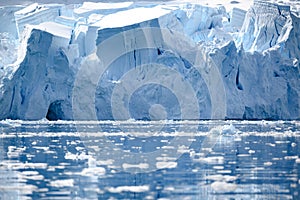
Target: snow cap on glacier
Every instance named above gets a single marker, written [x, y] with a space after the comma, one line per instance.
[92, 6]
[88, 8]
[35, 14]
[55, 29]
[132, 16]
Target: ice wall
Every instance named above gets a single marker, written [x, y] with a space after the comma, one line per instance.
[267, 62]
[237, 17]
[266, 25]
[7, 22]
[259, 66]
[35, 14]
[43, 79]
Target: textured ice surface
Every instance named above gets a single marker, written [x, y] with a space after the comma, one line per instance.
[256, 53]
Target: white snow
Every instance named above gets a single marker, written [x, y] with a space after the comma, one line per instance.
[132, 16]
[35, 14]
[55, 29]
[92, 6]
[228, 4]
[29, 9]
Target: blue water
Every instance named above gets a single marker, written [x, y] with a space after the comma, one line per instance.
[150, 160]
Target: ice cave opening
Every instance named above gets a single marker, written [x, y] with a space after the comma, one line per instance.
[55, 111]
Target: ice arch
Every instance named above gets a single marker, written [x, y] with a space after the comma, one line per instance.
[58, 110]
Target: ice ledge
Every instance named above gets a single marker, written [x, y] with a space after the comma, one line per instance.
[55, 29]
[265, 6]
[132, 16]
[92, 7]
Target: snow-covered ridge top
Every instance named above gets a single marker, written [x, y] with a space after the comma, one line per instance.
[228, 4]
[292, 5]
[55, 29]
[90, 6]
[265, 6]
[132, 16]
[29, 9]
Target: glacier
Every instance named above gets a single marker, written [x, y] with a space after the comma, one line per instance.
[150, 61]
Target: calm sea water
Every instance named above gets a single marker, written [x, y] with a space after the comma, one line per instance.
[150, 160]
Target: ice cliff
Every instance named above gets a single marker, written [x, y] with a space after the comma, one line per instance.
[249, 62]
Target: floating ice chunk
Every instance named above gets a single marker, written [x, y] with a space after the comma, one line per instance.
[30, 173]
[212, 160]
[229, 129]
[167, 164]
[17, 166]
[222, 178]
[120, 189]
[81, 156]
[93, 171]
[137, 166]
[92, 162]
[105, 162]
[62, 183]
[251, 151]
[221, 186]
[268, 163]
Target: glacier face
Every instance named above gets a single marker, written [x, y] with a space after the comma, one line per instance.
[152, 61]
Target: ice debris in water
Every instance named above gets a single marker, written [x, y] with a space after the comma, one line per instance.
[229, 129]
[62, 183]
[255, 53]
[221, 186]
[137, 189]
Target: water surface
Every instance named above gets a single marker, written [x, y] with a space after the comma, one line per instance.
[150, 160]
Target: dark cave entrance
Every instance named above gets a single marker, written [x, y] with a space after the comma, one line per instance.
[55, 111]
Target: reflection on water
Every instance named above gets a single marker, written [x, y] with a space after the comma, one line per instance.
[220, 160]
